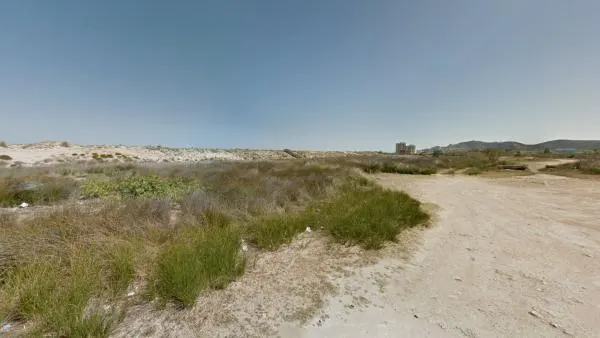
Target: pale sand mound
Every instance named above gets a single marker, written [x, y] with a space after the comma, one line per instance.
[50, 153]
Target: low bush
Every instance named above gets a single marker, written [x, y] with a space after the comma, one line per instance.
[473, 171]
[137, 187]
[5, 157]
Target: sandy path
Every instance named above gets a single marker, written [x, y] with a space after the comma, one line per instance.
[514, 257]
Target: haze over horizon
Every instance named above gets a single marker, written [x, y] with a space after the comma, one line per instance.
[343, 75]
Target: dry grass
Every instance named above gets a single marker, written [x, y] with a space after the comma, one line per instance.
[471, 162]
[172, 230]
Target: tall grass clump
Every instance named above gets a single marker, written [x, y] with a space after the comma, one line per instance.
[3, 144]
[199, 258]
[369, 217]
[55, 270]
[54, 293]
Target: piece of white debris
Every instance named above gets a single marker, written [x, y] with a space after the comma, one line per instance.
[6, 328]
[23, 205]
[458, 279]
[535, 314]
[131, 294]
[308, 229]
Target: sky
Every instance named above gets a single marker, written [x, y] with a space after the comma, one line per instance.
[310, 74]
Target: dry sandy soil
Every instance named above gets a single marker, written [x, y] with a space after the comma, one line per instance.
[52, 153]
[510, 257]
[507, 258]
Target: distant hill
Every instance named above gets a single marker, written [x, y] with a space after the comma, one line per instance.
[511, 145]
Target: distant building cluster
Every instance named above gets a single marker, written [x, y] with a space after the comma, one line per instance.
[403, 149]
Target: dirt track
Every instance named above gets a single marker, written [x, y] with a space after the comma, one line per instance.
[513, 257]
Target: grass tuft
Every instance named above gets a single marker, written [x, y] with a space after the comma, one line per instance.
[273, 232]
[365, 216]
[369, 217]
[5, 157]
[200, 258]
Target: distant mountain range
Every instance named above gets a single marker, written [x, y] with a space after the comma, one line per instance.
[512, 145]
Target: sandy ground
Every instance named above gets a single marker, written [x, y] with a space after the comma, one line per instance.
[51, 153]
[507, 258]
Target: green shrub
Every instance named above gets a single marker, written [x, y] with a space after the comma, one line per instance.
[369, 217]
[3, 144]
[140, 186]
[473, 171]
[200, 258]
[5, 157]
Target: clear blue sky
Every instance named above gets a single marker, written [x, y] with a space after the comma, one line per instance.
[311, 74]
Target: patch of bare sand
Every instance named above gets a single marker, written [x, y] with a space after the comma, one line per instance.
[505, 259]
